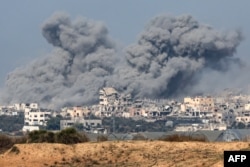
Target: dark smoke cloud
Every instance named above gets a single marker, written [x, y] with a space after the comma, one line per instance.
[171, 53]
[81, 62]
[168, 59]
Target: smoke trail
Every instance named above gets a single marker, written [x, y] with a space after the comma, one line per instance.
[81, 62]
[171, 52]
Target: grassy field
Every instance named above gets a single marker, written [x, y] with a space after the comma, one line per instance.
[120, 154]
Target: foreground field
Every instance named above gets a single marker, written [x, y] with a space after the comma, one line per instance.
[119, 153]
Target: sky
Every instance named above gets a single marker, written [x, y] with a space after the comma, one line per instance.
[21, 40]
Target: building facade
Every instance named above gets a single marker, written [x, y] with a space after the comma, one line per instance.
[36, 117]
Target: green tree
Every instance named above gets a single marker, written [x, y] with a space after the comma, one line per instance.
[12, 123]
[70, 136]
[54, 123]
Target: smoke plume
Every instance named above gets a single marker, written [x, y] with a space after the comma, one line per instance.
[167, 61]
[172, 52]
[81, 62]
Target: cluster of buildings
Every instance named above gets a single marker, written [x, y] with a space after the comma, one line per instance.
[211, 113]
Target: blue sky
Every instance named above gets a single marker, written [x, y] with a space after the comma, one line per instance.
[21, 40]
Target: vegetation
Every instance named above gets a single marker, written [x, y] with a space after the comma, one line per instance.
[139, 136]
[41, 136]
[102, 138]
[239, 125]
[66, 136]
[6, 142]
[54, 123]
[11, 123]
[182, 138]
[70, 136]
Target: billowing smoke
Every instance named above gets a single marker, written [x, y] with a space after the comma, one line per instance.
[168, 59]
[172, 52]
[81, 62]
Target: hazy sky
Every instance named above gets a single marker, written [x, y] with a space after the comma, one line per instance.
[21, 40]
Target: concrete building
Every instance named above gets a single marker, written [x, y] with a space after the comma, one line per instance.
[76, 112]
[247, 107]
[90, 123]
[29, 128]
[36, 116]
[108, 96]
[23, 106]
[198, 103]
[243, 119]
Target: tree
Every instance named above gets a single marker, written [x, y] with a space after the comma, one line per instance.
[54, 123]
[12, 123]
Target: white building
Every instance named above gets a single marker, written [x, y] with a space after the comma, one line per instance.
[243, 119]
[23, 106]
[247, 107]
[28, 128]
[36, 116]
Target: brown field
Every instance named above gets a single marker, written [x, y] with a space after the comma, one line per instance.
[119, 153]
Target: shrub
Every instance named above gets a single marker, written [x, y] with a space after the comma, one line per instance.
[41, 136]
[6, 143]
[20, 140]
[70, 136]
[15, 149]
[66, 136]
[182, 138]
[102, 138]
[139, 136]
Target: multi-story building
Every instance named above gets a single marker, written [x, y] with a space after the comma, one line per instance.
[36, 116]
[108, 96]
[198, 103]
[111, 101]
[77, 112]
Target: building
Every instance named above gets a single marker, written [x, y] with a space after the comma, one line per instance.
[198, 103]
[247, 107]
[76, 112]
[88, 124]
[28, 128]
[36, 117]
[23, 106]
[110, 102]
[108, 96]
[243, 119]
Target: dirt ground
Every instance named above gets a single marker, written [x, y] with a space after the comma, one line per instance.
[120, 154]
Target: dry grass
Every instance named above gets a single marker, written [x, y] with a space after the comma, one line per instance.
[122, 154]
